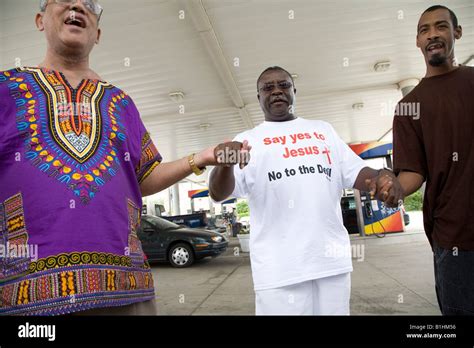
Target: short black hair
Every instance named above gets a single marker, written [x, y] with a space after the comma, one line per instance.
[273, 68]
[454, 19]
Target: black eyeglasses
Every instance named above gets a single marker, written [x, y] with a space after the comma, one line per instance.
[269, 87]
[91, 5]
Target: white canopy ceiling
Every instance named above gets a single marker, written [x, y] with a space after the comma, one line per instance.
[331, 45]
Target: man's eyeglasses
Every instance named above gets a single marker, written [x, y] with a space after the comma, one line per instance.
[91, 5]
[269, 87]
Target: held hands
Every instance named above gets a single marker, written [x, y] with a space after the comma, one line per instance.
[231, 153]
[226, 154]
[386, 188]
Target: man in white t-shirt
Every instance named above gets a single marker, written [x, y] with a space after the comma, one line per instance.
[299, 247]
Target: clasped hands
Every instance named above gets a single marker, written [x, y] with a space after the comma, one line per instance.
[384, 187]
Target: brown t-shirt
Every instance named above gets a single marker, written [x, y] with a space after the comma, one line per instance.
[438, 143]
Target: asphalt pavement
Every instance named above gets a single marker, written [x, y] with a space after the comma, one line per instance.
[392, 276]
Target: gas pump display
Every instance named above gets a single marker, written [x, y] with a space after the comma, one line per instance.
[373, 216]
[377, 218]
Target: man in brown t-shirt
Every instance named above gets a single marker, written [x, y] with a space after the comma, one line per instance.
[435, 145]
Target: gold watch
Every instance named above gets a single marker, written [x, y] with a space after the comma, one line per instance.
[196, 170]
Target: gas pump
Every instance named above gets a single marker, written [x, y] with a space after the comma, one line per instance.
[373, 217]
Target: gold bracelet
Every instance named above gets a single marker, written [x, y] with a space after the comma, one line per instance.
[196, 170]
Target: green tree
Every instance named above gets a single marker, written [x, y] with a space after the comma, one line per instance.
[243, 209]
[414, 202]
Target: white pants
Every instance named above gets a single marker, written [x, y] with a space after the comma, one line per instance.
[324, 296]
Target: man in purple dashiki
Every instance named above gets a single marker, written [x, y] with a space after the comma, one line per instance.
[75, 160]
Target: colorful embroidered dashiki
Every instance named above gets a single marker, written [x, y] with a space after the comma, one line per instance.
[71, 161]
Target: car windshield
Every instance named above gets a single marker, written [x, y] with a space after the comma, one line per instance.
[162, 224]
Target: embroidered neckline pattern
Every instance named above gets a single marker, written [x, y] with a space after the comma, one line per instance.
[77, 145]
[74, 115]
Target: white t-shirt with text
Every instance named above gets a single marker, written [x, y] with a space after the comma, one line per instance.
[294, 184]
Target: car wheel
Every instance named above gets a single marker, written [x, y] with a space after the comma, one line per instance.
[181, 255]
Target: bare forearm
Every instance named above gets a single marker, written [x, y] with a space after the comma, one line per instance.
[165, 175]
[168, 174]
[221, 183]
[410, 182]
